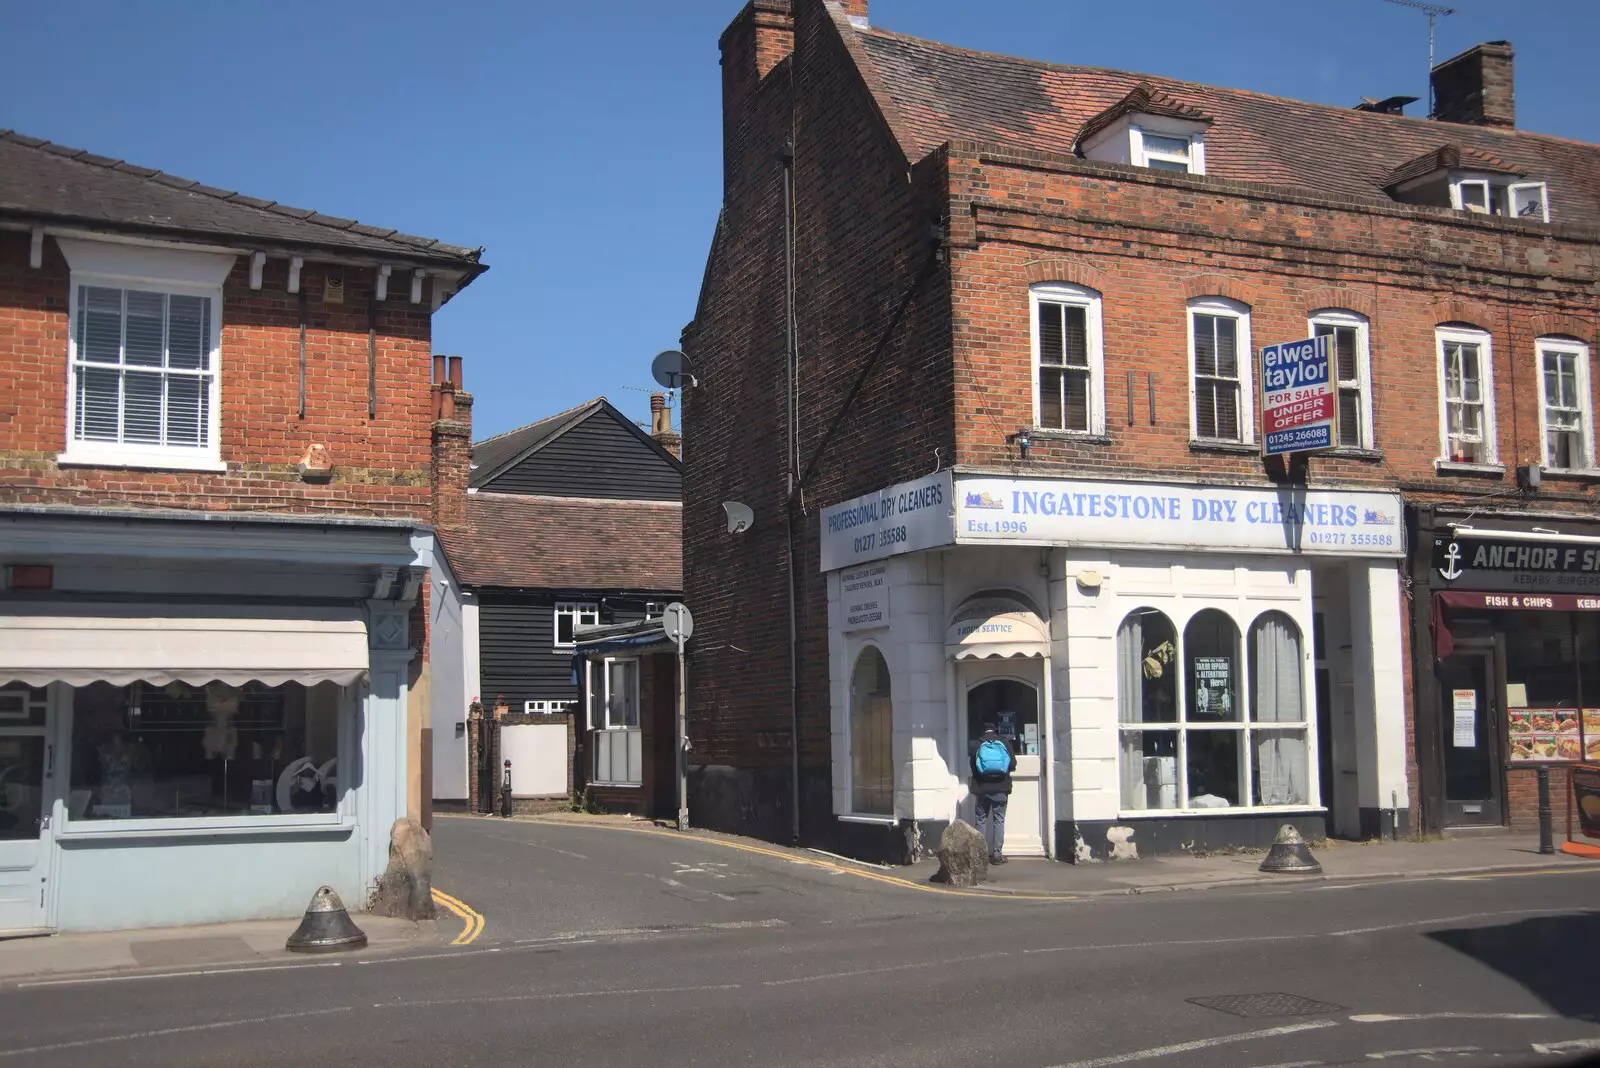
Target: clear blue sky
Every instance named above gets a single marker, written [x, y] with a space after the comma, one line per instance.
[580, 140]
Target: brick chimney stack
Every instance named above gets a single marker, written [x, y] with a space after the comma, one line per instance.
[1476, 87]
[452, 444]
[854, 10]
[661, 425]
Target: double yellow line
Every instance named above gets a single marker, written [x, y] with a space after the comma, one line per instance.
[469, 916]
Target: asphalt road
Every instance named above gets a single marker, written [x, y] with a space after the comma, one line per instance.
[622, 948]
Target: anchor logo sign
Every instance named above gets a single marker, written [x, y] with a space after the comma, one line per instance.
[1452, 557]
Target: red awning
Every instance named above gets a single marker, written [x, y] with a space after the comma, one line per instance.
[1444, 642]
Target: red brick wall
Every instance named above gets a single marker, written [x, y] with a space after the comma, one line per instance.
[1522, 800]
[863, 244]
[1038, 218]
[381, 463]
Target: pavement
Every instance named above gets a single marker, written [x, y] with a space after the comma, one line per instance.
[631, 945]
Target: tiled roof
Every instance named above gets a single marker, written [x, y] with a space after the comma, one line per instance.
[1448, 157]
[939, 94]
[568, 543]
[1145, 99]
[491, 455]
[50, 181]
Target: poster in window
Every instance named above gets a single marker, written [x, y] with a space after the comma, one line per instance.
[1586, 799]
[1537, 734]
[1213, 686]
[1464, 703]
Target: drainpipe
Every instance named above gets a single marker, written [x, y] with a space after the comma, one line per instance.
[786, 158]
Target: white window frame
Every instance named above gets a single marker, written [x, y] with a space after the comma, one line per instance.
[1194, 160]
[1469, 335]
[1089, 300]
[1544, 200]
[1363, 381]
[1226, 308]
[1245, 727]
[1580, 352]
[577, 610]
[602, 689]
[1458, 195]
[144, 455]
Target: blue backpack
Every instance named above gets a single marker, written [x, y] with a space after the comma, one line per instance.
[993, 758]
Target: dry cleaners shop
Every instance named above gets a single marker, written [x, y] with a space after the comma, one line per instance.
[1175, 665]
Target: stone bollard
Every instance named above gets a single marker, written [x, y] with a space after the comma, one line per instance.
[963, 856]
[406, 889]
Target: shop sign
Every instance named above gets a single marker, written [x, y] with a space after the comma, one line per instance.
[1507, 564]
[1299, 409]
[865, 594]
[905, 518]
[1586, 798]
[1146, 515]
[1522, 602]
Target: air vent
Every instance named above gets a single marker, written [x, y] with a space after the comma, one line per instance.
[333, 288]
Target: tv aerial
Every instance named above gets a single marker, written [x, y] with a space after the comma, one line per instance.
[673, 370]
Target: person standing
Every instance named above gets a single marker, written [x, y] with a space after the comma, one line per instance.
[992, 765]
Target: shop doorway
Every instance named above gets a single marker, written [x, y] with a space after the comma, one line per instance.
[1470, 741]
[27, 776]
[1013, 704]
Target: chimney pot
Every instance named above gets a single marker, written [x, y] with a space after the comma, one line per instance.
[438, 369]
[1476, 87]
[455, 371]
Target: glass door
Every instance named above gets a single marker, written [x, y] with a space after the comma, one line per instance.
[1470, 724]
[27, 757]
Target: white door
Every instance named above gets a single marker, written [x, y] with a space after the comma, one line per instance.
[27, 788]
[1013, 704]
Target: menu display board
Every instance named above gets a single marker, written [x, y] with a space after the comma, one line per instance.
[1544, 734]
[1586, 795]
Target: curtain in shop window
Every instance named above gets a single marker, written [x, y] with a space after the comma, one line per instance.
[1277, 697]
[1130, 708]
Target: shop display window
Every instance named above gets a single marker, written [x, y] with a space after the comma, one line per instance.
[182, 751]
[1229, 744]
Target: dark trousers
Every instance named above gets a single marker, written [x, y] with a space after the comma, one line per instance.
[990, 811]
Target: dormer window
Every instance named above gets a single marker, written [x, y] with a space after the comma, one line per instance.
[1147, 128]
[1468, 180]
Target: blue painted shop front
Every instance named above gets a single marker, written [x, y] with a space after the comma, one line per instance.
[202, 719]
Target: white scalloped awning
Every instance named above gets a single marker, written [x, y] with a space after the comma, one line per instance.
[79, 650]
[997, 630]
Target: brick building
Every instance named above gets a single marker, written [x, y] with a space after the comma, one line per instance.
[217, 424]
[1001, 442]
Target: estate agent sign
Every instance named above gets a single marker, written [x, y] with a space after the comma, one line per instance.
[1299, 402]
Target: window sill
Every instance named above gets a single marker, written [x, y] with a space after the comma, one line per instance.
[616, 785]
[1082, 437]
[1572, 474]
[148, 460]
[241, 826]
[877, 821]
[1459, 467]
[1231, 448]
[1352, 452]
[1201, 813]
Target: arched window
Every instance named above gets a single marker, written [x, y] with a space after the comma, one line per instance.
[1147, 693]
[1213, 712]
[871, 736]
[1278, 759]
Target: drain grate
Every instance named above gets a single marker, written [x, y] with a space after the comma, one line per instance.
[1256, 1005]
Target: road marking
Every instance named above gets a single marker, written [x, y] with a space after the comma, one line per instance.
[886, 968]
[178, 975]
[55, 1047]
[1384, 1017]
[1451, 919]
[1175, 942]
[1199, 1043]
[538, 845]
[472, 919]
[558, 995]
[1572, 1045]
[839, 869]
[1520, 874]
[1293, 1064]
[1425, 1051]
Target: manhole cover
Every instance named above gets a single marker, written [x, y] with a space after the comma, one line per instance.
[1264, 1005]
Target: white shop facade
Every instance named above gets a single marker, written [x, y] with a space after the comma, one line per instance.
[1177, 666]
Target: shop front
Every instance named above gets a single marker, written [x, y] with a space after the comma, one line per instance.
[1507, 662]
[1177, 666]
[201, 720]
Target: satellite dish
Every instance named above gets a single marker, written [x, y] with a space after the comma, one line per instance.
[676, 622]
[740, 517]
[673, 370]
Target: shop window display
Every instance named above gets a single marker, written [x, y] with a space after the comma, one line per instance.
[1187, 739]
[185, 751]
